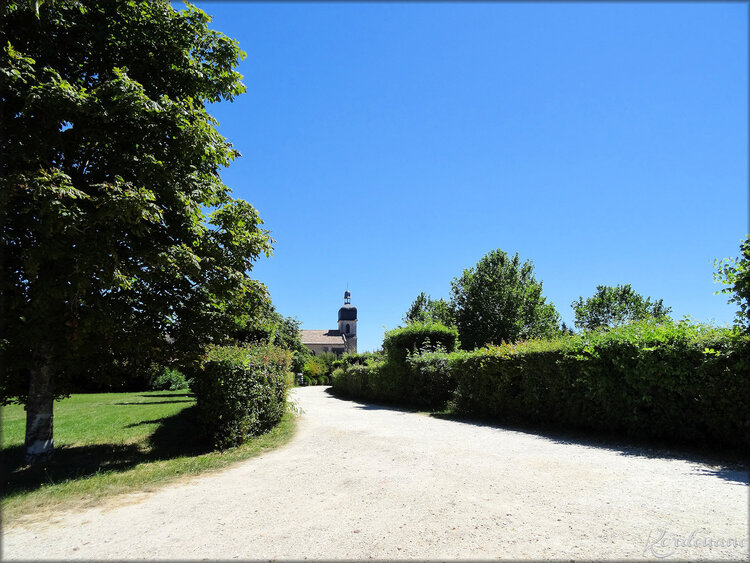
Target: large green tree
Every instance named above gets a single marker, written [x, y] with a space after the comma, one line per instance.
[110, 162]
[500, 300]
[614, 306]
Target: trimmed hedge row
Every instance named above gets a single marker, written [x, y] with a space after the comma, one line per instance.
[400, 375]
[357, 381]
[676, 381]
[308, 381]
[241, 392]
[417, 338]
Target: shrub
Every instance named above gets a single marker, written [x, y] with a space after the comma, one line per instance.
[511, 382]
[678, 381]
[403, 376]
[359, 359]
[675, 381]
[338, 377]
[241, 392]
[169, 380]
[418, 337]
[289, 376]
[397, 375]
[430, 381]
[358, 381]
[317, 369]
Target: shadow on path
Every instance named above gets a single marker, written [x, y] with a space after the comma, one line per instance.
[726, 464]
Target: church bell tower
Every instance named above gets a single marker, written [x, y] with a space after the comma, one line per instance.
[348, 322]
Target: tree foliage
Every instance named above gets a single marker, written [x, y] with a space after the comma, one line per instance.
[267, 326]
[424, 309]
[735, 274]
[110, 160]
[500, 300]
[615, 306]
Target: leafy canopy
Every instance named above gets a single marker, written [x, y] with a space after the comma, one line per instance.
[424, 309]
[735, 274]
[110, 164]
[500, 300]
[615, 306]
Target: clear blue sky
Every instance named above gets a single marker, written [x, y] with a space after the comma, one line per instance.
[390, 146]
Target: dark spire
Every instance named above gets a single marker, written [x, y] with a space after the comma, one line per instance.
[348, 312]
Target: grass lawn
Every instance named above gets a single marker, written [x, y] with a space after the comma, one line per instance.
[110, 443]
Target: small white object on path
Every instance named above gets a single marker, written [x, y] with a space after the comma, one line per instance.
[360, 481]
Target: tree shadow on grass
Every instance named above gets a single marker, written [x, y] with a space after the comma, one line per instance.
[157, 402]
[168, 396]
[176, 436]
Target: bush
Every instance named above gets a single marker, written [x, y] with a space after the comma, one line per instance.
[358, 381]
[418, 337]
[358, 359]
[169, 380]
[429, 379]
[241, 392]
[317, 369]
[397, 375]
[677, 381]
[511, 382]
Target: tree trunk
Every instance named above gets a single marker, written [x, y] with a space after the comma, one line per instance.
[39, 443]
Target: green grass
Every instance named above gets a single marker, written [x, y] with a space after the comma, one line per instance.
[112, 443]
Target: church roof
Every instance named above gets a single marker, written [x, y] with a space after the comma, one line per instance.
[329, 337]
[348, 313]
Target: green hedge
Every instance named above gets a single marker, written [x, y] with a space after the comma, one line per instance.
[308, 381]
[679, 381]
[357, 380]
[362, 359]
[429, 379]
[401, 375]
[675, 381]
[418, 337]
[317, 370]
[241, 392]
[514, 383]
[413, 371]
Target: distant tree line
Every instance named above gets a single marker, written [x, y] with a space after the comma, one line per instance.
[500, 300]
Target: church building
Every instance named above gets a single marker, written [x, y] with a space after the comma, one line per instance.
[339, 341]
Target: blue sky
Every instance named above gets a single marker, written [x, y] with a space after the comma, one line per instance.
[389, 146]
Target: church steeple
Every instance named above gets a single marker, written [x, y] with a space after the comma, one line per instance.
[348, 322]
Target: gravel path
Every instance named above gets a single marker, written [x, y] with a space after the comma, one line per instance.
[360, 481]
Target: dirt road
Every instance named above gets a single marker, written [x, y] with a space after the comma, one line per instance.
[360, 481]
